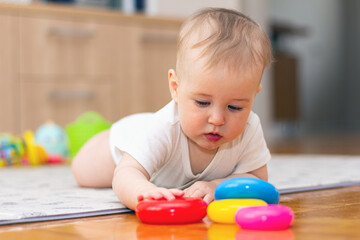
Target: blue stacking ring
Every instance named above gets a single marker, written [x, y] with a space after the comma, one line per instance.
[247, 188]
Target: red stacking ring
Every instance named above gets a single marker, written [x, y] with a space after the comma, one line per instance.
[177, 211]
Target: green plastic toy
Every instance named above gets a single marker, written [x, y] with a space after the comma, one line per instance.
[85, 126]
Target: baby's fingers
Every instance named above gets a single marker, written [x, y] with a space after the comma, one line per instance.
[154, 194]
[208, 198]
[177, 192]
[189, 192]
[168, 194]
[161, 193]
[164, 193]
[140, 198]
[196, 193]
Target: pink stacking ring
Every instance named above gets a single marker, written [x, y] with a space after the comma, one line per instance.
[270, 217]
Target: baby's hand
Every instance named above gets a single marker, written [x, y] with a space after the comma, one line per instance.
[201, 189]
[161, 193]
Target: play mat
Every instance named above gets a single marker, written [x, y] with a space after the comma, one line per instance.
[30, 194]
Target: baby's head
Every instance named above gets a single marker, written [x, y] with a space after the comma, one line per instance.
[220, 62]
[222, 37]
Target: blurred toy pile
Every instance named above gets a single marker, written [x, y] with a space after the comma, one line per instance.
[50, 144]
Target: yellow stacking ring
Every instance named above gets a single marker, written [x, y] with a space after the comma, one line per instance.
[223, 211]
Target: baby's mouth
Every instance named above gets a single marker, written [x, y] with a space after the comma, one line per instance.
[213, 137]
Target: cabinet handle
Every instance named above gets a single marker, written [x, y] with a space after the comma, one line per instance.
[71, 95]
[158, 38]
[71, 32]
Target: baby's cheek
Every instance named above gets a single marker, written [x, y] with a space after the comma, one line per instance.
[188, 126]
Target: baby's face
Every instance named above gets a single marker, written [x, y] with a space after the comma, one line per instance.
[214, 104]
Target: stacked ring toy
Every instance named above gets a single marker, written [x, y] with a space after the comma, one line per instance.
[270, 217]
[249, 202]
[247, 188]
[223, 211]
[177, 211]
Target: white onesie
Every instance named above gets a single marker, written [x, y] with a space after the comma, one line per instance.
[157, 142]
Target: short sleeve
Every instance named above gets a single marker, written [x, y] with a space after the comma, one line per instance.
[147, 137]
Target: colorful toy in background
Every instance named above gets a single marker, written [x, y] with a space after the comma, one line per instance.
[11, 150]
[251, 203]
[50, 144]
[55, 142]
[34, 154]
[85, 126]
[16, 151]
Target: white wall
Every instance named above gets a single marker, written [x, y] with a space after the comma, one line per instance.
[320, 56]
[352, 65]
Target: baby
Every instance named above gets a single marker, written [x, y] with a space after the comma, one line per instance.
[206, 134]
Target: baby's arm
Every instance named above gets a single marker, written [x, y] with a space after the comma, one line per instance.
[131, 184]
[206, 190]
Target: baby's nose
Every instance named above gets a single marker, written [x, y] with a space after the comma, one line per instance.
[217, 118]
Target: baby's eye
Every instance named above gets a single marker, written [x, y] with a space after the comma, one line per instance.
[234, 108]
[202, 103]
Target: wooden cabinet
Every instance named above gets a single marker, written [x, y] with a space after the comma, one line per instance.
[153, 53]
[158, 48]
[68, 67]
[59, 62]
[53, 47]
[62, 102]
[9, 93]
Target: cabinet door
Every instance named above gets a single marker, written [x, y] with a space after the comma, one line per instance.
[61, 47]
[9, 93]
[157, 54]
[69, 67]
[62, 102]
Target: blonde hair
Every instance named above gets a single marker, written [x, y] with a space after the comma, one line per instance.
[224, 37]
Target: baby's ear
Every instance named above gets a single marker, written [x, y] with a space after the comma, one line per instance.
[173, 84]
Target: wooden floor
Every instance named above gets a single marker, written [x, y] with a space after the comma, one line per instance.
[326, 214]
